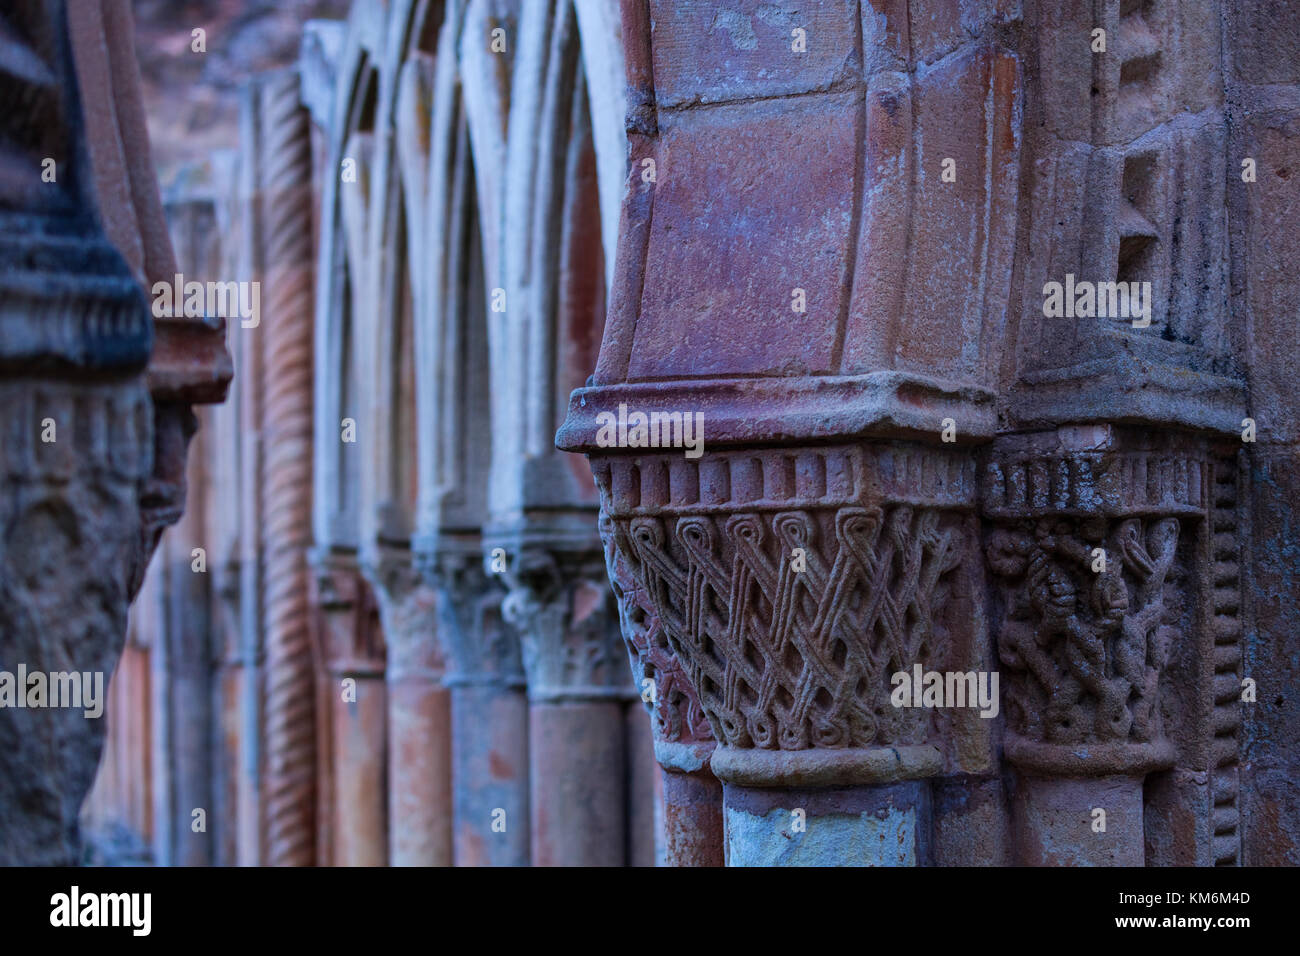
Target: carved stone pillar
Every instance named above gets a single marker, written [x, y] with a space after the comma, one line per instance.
[71, 531]
[1119, 682]
[419, 716]
[1093, 542]
[284, 163]
[691, 796]
[250, 354]
[792, 480]
[791, 585]
[578, 687]
[93, 468]
[353, 715]
[226, 504]
[182, 689]
[186, 646]
[489, 708]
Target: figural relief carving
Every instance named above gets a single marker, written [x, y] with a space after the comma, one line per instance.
[1085, 635]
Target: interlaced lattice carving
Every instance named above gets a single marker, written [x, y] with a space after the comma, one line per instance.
[1085, 648]
[793, 659]
[675, 710]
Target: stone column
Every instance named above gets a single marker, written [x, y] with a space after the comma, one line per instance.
[791, 587]
[690, 825]
[578, 686]
[355, 707]
[286, 206]
[1118, 188]
[249, 703]
[71, 523]
[185, 645]
[226, 504]
[184, 688]
[229, 680]
[1094, 547]
[489, 709]
[249, 348]
[94, 468]
[419, 717]
[812, 532]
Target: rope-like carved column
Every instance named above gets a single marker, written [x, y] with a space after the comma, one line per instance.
[287, 435]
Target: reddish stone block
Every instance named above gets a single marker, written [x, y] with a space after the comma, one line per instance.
[1265, 45]
[1268, 218]
[947, 240]
[711, 53]
[1270, 806]
[752, 202]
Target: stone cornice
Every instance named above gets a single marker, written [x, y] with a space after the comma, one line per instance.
[1126, 389]
[658, 482]
[766, 411]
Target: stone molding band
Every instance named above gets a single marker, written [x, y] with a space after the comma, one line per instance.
[1088, 760]
[825, 767]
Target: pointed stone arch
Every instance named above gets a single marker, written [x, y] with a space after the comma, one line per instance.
[341, 277]
[351, 734]
[452, 259]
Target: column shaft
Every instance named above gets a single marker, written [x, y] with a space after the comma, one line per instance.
[490, 774]
[692, 818]
[419, 772]
[578, 778]
[285, 164]
[419, 716]
[578, 686]
[1055, 821]
[355, 716]
[644, 793]
[360, 811]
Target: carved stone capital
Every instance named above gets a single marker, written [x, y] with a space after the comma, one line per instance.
[478, 646]
[1090, 547]
[1084, 643]
[79, 442]
[351, 642]
[682, 737]
[408, 609]
[790, 585]
[561, 604]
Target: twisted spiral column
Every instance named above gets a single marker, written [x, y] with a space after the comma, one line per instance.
[285, 165]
